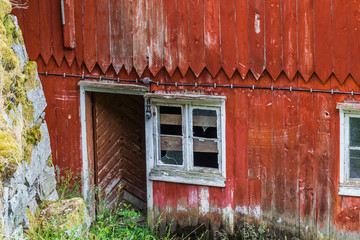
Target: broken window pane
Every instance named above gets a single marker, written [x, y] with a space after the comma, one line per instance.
[172, 157]
[354, 164]
[205, 142]
[171, 150]
[170, 121]
[204, 123]
[171, 141]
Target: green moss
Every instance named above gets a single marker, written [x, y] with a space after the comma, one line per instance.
[15, 96]
[10, 154]
[17, 140]
[12, 34]
[30, 72]
[49, 162]
[9, 60]
[5, 8]
[32, 137]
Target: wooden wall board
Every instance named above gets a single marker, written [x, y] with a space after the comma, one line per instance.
[354, 35]
[90, 43]
[322, 154]
[291, 157]
[228, 37]
[154, 36]
[323, 39]
[32, 30]
[242, 49]
[116, 35]
[273, 28]
[266, 165]
[127, 41]
[340, 19]
[307, 159]
[103, 36]
[139, 36]
[305, 18]
[68, 25]
[289, 38]
[79, 50]
[256, 37]
[212, 36]
[183, 37]
[241, 192]
[56, 33]
[196, 36]
[278, 149]
[170, 36]
[45, 26]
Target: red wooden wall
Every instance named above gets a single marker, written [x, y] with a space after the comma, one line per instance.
[282, 147]
[236, 36]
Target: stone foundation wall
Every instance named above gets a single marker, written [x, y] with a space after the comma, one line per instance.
[26, 171]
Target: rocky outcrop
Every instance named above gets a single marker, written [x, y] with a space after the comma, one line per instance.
[69, 216]
[26, 172]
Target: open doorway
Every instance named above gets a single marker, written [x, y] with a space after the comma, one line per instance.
[115, 139]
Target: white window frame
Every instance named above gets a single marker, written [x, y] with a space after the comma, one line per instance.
[186, 173]
[348, 186]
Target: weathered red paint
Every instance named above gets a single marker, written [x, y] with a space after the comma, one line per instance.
[212, 36]
[103, 34]
[282, 147]
[228, 39]
[273, 37]
[256, 37]
[289, 39]
[305, 25]
[69, 24]
[323, 39]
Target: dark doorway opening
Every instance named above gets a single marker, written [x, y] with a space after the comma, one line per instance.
[118, 143]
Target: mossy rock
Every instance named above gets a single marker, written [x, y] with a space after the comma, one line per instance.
[64, 216]
[20, 133]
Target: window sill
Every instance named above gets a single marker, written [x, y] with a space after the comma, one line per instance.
[352, 190]
[194, 178]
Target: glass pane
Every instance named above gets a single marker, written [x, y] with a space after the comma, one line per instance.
[170, 121]
[354, 132]
[171, 157]
[205, 153]
[204, 123]
[171, 150]
[354, 163]
[204, 159]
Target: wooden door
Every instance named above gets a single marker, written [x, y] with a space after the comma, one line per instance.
[119, 148]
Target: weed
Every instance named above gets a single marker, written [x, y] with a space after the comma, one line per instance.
[118, 222]
[69, 185]
[249, 231]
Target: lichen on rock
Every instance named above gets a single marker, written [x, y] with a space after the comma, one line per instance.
[26, 176]
[17, 138]
[64, 216]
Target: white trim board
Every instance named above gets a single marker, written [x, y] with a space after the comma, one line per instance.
[186, 173]
[130, 89]
[348, 186]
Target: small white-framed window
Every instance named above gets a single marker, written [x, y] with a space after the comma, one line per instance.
[349, 149]
[188, 139]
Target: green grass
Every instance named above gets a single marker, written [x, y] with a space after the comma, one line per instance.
[119, 222]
